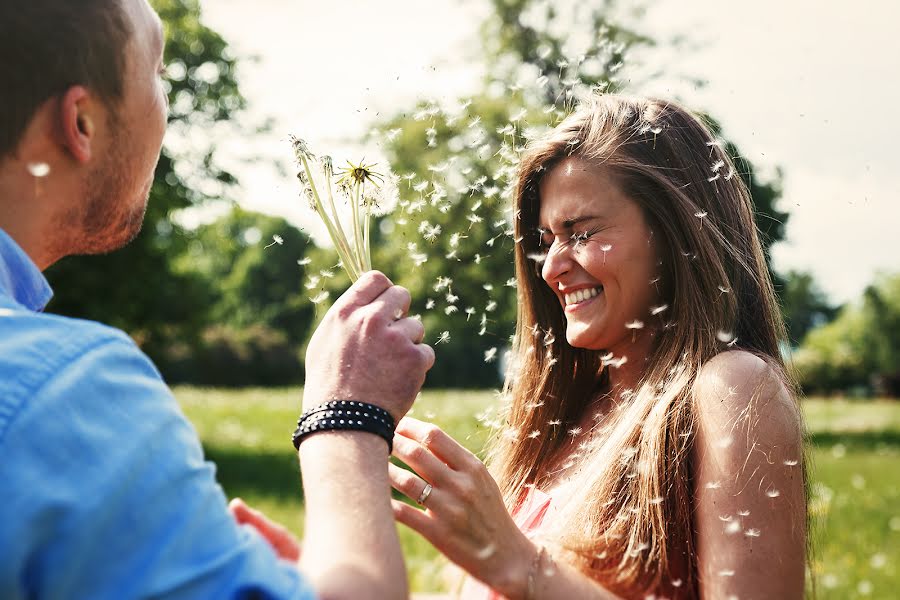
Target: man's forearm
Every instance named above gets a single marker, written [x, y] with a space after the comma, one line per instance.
[349, 521]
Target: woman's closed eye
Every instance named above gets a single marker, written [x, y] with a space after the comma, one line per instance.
[575, 239]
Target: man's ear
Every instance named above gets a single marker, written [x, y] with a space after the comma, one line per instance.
[77, 113]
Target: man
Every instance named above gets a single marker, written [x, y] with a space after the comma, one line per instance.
[105, 491]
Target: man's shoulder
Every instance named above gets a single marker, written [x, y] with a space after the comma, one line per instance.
[37, 341]
[37, 349]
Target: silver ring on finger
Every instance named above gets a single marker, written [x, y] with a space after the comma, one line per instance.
[424, 495]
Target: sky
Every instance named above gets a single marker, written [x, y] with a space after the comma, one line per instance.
[807, 87]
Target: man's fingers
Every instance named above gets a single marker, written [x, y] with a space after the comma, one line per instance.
[427, 355]
[369, 286]
[393, 302]
[412, 328]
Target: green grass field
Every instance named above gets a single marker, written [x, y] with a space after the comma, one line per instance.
[855, 453]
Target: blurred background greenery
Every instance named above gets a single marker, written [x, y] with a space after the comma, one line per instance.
[226, 303]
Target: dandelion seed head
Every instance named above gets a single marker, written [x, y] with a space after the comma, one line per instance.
[636, 324]
[773, 493]
[751, 533]
[791, 463]
[713, 485]
[744, 513]
[319, 298]
[445, 335]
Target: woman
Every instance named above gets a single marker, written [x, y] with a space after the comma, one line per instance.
[653, 442]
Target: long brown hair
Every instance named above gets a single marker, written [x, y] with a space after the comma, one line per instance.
[628, 520]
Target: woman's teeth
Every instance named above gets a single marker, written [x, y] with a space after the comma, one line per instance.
[582, 295]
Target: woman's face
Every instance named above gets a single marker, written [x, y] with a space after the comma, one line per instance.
[602, 259]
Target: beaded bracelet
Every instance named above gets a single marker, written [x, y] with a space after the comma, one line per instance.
[346, 415]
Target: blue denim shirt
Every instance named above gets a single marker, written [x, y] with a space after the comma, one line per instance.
[104, 492]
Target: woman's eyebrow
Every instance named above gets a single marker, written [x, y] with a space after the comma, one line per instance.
[571, 222]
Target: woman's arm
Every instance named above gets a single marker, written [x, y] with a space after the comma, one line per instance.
[465, 519]
[750, 513]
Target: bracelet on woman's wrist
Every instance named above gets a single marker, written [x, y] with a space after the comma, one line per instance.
[345, 415]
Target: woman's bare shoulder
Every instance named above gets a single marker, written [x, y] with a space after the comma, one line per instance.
[739, 391]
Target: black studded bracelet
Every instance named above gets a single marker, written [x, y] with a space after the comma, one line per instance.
[345, 415]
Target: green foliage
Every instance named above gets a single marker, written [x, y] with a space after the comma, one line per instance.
[860, 349]
[139, 289]
[258, 319]
[803, 304]
[854, 448]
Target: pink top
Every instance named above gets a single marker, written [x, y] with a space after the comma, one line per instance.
[528, 517]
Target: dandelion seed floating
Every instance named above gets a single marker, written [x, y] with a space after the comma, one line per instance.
[658, 309]
[701, 215]
[490, 355]
[751, 533]
[443, 338]
[276, 239]
[605, 248]
[773, 493]
[38, 169]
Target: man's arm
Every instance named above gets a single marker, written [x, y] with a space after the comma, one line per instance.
[366, 350]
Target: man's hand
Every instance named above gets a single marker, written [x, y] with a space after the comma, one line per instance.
[367, 349]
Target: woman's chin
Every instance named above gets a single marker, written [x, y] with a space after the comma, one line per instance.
[579, 338]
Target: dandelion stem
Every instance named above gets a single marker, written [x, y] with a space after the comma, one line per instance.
[325, 219]
[366, 246]
[353, 269]
[357, 228]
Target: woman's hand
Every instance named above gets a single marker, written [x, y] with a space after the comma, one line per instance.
[464, 516]
[282, 541]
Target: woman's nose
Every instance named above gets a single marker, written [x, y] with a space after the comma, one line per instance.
[557, 263]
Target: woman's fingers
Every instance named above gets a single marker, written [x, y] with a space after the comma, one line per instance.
[430, 436]
[412, 486]
[415, 519]
[422, 461]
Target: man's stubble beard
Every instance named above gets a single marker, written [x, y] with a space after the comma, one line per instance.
[109, 219]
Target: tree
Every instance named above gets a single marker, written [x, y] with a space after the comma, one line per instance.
[139, 289]
[804, 305]
[860, 349]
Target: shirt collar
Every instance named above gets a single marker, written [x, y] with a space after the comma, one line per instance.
[20, 278]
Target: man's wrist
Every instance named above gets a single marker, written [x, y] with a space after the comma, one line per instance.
[345, 415]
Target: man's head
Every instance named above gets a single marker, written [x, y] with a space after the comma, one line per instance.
[82, 95]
